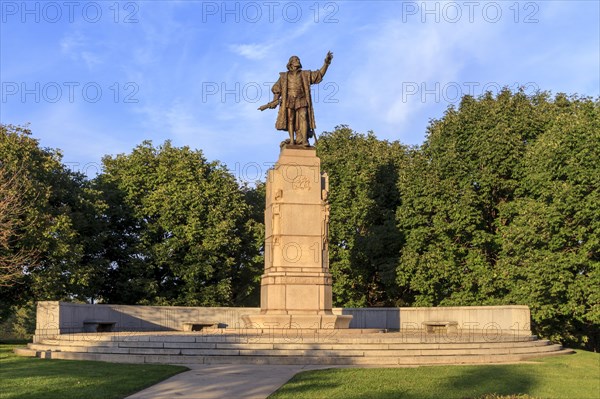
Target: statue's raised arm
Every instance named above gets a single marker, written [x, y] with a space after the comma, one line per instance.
[326, 64]
[292, 93]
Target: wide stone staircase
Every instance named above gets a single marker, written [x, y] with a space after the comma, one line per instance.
[306, 346]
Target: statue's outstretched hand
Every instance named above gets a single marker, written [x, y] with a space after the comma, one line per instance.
[273, 104]
[329, 57]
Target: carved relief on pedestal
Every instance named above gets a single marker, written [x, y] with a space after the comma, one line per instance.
[324, 187]
[325, 221]
[301, 183]
[276, 220]
[279, 195]
[324, 237]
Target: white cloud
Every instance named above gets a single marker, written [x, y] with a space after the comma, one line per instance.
[72, 43]
[251, 51]
[394, 58]
[78, 47]
[279, 39]
[91, 59]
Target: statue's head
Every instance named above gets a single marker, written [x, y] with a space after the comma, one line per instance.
[294, 63]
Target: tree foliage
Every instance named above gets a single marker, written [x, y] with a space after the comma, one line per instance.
[47, 222]
[184, 229]
[13, 262]
[161, 225]
[364, 242]
[456, 184]
[500, 206]
[550, 251]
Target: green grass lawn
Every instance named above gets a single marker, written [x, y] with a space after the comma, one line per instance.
[23, 377]
[570, 376]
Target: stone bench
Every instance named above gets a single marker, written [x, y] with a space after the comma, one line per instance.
[98, 325]
[198, 325]
[450, 326]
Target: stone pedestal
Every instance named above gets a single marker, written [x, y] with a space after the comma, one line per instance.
[296, 285]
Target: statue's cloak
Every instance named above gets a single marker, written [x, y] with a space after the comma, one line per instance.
[280, 88]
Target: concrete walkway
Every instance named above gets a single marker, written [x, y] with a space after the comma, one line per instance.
[223, 381]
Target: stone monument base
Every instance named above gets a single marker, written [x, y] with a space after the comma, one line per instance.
[316, 321]
[295, 290]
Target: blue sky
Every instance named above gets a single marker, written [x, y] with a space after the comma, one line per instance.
[97, 78]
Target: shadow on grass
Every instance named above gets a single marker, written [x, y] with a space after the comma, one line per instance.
[499, 379]
[425, 382]
[15, 341]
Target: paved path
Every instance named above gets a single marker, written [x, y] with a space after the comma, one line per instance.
[223, 381]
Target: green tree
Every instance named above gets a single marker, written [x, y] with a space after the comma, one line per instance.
[12, 207]
[500, 206]
[247, 273]
[452, 192]
[49, 222]
[184, 231]
[550, 251]
[364, 242]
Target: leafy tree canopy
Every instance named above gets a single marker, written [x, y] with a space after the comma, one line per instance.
[185, 227]
[500, 205]
[364, 242]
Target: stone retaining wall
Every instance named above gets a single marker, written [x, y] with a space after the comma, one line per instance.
[62, 317]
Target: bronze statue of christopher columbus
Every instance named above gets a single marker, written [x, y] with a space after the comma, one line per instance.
[292, 93]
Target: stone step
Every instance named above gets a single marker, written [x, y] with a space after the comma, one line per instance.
[389, 338]
[25, 352]
[301, 360]
[367, 349]
[562, 351]
[252, 351]
[382, 345]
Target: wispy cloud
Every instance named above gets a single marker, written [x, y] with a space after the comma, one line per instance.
[79, 47]
[279, 39]
[251, 51]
